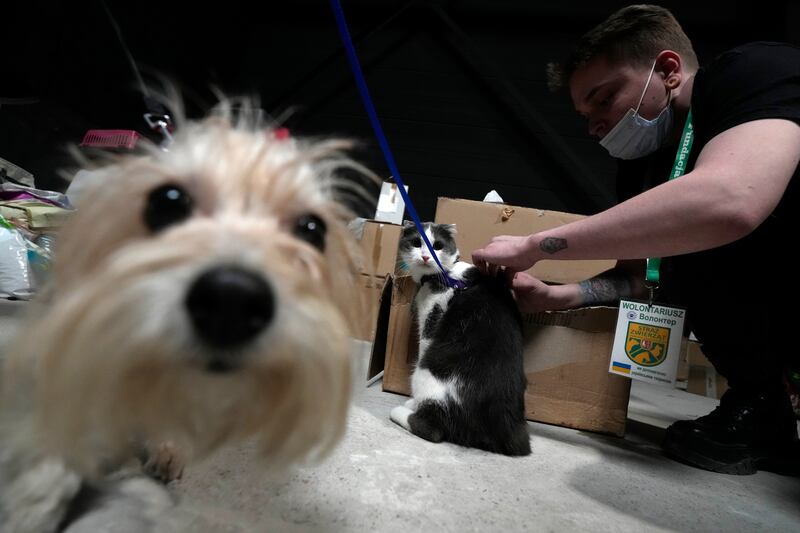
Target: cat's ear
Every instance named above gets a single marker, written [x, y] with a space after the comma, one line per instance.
[451, 229]
[407, 223]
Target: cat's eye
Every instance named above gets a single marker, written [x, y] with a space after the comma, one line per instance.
[416, 242]
[167, 205]
[311, 229]
[437, 245]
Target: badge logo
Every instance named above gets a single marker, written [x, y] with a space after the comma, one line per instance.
[646, 345]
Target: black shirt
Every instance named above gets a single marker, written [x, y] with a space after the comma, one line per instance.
[751, 82]
[754, 81]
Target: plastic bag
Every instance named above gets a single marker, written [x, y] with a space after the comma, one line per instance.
[14, 268]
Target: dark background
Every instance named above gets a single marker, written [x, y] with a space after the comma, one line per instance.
[459, 85]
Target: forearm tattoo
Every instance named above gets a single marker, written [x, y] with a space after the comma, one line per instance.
[552, 245]
[606, 289]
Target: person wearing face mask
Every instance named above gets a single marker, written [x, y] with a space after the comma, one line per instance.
[729, 133]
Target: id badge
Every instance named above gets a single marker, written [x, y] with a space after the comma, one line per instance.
[647, 342]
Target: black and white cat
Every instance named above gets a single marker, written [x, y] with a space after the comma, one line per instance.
[468, 386]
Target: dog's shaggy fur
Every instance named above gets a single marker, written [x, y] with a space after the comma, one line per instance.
[114, 361]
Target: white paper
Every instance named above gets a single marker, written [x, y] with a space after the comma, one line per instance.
[493, 197]
[390, 204]
[647, 342]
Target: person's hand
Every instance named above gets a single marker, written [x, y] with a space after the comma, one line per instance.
[509, 251]
[533, 295]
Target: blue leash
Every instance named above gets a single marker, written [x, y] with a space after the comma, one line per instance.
[352, 59]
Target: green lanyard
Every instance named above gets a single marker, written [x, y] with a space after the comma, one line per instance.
[678, 170]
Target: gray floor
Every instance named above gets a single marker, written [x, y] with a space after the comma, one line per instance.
[381, 478]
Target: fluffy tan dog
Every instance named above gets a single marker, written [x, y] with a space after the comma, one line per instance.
[200, 296]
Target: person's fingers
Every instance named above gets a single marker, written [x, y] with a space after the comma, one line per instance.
[478, 257]
[523, 281]
[495, 253]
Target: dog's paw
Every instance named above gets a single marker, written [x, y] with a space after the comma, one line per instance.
[164, 463]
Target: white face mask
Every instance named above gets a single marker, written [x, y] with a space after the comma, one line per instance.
[635, 136]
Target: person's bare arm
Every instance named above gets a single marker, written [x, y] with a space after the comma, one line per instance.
[625, 280]
[737, 181]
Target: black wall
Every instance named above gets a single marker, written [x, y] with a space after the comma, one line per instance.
[459, 86]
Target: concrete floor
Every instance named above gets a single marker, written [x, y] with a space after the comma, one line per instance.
[381, 478]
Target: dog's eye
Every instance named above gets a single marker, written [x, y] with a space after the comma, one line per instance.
[311, 229]
[167, 205]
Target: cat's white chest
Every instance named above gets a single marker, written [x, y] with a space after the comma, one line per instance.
[424, 386]
[427, 300]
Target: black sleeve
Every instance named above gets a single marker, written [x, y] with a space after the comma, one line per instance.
[751, 82]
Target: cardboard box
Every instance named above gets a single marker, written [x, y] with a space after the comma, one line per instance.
[683, 364]
[695, 355]
[566, 354]
[703, 378]
[379, 243]
[477, 222]
[402, 342]
[705, 381]
[369, 291]
[566, 362]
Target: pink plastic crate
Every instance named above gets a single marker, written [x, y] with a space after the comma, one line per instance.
[110, 139]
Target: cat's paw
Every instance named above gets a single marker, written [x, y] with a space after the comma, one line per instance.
[399, 416]
[463, 271]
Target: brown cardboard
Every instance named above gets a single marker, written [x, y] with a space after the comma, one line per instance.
[401, 339]
[477, 222]
[705, 381]
[695, 355]
[703, 378]
[566, 354]
[378, 359]
[369, 290]
[682, 373]
[379, 243]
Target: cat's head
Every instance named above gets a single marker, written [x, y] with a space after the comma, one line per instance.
[414, 256]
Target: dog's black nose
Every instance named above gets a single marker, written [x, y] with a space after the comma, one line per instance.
[229, 306]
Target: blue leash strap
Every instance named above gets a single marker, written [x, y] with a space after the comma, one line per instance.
[352, 59]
